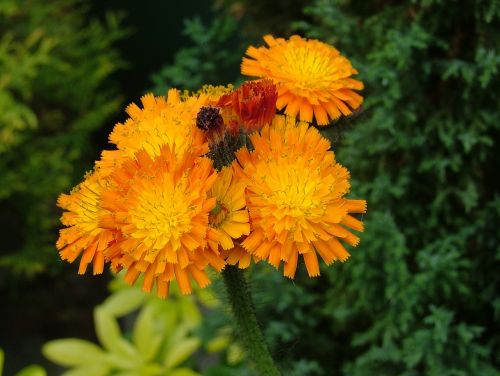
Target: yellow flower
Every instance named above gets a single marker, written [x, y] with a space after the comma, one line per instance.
[160, 207]
[312, 77]
[229, 219]
[295, 198]
[83, 234]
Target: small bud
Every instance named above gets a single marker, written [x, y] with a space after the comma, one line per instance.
[209, 119]
[254, 103]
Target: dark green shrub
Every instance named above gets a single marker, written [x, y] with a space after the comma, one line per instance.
[419, 295]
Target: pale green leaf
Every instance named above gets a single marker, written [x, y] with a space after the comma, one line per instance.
[190, 313]
[2, 357]
[33, 370]
[208, 298]
[218, 343]
[150, 370]
[109, 334]
[89, 370]
[180, 351]
[124, 301]
[146, 335]
[235, 354]
[72, 352]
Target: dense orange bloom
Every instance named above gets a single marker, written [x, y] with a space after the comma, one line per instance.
[254, 103]
[295, 198]
[160, 207]
[84, 236]
[157, 207]
[313, 79]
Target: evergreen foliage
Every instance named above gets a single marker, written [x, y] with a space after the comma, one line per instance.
[419, 296]
[55, 90]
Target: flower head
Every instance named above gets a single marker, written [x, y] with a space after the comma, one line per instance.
[83, 235]
[161, 121]
[313, 79]
[254, 103]
[228, 220]
[160, 207]
[295, 198]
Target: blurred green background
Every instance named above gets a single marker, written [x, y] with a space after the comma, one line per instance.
[419, 295]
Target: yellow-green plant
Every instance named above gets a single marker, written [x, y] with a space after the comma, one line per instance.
[160, 342]
[162, 338]
[56, 89]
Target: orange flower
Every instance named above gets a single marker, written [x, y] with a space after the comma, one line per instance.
[160, 207]
[228, 221]
[84, 235]
[313, 79]
[161, 121]
[295, 198]
[254, 103]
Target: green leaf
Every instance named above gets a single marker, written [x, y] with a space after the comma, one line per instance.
[124, 301]
[183, 372]
[235, 354]
[93, 369]
[73, 352]
[110, 336]
[218, 343]
[2, 357]
[190, 313]
[150, 370]
[208, 298]
[146, 335]
[180, 351]
[141, 372]
[33, 370]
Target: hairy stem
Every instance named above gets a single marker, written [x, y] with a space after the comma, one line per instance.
[246, 321]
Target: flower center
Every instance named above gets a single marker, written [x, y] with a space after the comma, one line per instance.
[162, 214]
[306, 67]
[294, 193]
[218, 215]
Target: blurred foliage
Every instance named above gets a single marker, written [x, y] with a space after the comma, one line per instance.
[55, 90]
[33, 370]
[259, 17]
[161, 337]
[210, 60]
[419, 295]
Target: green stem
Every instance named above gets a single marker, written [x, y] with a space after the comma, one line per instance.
[246, 321]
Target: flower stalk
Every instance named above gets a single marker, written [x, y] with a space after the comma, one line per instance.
[246, 321]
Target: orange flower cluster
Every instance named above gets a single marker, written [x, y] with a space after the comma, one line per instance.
[217, 177]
